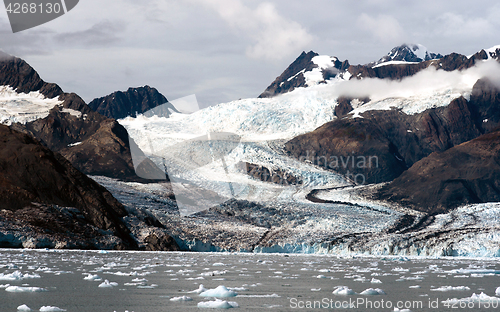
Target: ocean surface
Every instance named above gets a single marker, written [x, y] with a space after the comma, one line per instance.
[93, 281]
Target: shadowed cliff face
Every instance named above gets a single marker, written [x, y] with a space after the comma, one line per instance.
[32, 175]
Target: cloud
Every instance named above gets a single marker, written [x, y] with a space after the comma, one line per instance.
[100, 34]
[425, 82]
[383, 27]
[274, 36]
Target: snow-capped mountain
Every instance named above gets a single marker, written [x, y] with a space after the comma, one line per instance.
[412, 53]
[309, 69]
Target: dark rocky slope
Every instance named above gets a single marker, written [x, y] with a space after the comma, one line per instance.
[134, 101]
[392, 140]
[35, 182]
[47, 203]
[467, 173]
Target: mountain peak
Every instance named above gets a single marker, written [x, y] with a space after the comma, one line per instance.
[414, 53]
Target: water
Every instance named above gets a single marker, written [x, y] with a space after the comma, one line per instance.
[264, 282]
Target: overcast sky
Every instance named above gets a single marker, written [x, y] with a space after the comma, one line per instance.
[222, 50]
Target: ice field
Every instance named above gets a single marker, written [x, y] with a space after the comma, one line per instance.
[94, 281]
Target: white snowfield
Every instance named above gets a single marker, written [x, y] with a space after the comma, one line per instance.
[25, 107]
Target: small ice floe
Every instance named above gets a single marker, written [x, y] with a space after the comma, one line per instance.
[108, 284]
[181, 298]
[24, 289]
[238, 288]
[213, 273]
[200, 289]
[92, 277]
[400, 269]
[219, 292]
[218, 304]
[51, 309]
[23, 308]
[320, 276]
[497, 291]
[375, 281]
[315, 289]
[218, 264]
[4, 286]
[373, 292]
[415, 286]
[343, 291]
[401, 310]
[152, 286]
[451, 288]
[17, 276]
[260, 296]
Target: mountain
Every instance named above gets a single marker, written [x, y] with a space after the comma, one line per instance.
[44, 197]
[414, 53]
[134, 101]
[311, 69]
[468, 173]
[307, 70]
[62, 122]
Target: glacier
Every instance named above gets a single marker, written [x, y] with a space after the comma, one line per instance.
[251, 215]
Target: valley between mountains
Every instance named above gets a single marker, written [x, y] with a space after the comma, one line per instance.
[399, 156]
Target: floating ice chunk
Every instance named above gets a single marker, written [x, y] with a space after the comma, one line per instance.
[51, 309]
[315, 289]
[401, 310]
[91, 277]
[376, 281]
[373, 292]
[24, 289]
[219, 292]
[23, 308]
[218, 264]
[17, 276]
[200, 289]
[497, 291]
[182, 298]
[451, 288]
[218, 304]
[238, 288]
[320, 276]
[343, 291]
[108, 284]
[260, 296]
[416, 286]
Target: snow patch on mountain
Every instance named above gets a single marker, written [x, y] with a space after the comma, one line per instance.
[324, 62]
[24, 107]
[394, 63]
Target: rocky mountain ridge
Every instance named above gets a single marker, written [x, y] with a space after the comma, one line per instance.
[134, 101]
